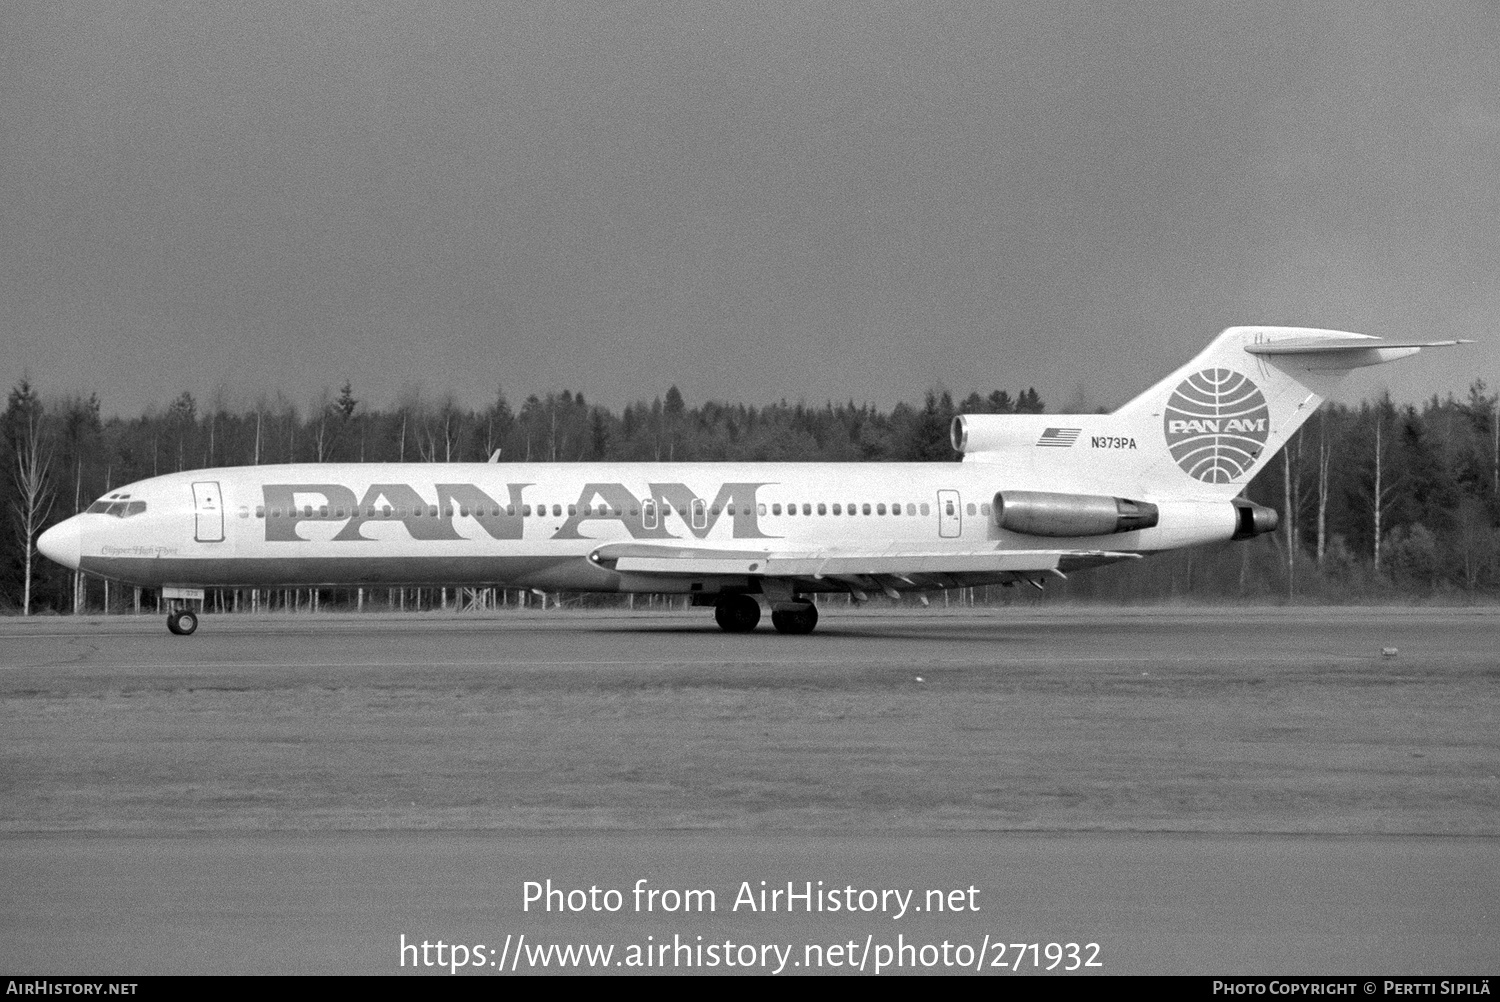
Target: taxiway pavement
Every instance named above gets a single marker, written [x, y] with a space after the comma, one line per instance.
[1196, 790]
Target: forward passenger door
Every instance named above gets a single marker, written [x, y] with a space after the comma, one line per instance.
[208, 512]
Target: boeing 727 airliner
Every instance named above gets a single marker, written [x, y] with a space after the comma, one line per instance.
[1037, 495]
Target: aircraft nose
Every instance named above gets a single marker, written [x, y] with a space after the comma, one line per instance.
[63, 543]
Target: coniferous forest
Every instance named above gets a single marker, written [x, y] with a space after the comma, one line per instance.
[1379, 502]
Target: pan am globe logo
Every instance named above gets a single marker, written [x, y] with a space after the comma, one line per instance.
[1216, 424]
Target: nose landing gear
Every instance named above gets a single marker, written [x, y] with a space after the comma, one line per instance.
[182, 622]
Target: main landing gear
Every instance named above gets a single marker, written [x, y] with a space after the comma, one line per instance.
[740, 614]
[794, 617]
[182, 622]
[736, 613]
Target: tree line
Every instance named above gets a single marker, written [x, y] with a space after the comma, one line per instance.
[1377, 500]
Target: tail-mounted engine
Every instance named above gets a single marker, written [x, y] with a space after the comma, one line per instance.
[1037, 513]
[1251, 519]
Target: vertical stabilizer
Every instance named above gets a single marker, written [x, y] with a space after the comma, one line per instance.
[1216, 421]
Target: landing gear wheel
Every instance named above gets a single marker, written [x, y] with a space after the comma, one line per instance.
[801, 619]
[737, 613]
[182, 623]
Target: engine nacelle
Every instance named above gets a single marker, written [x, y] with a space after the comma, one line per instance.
[1037, 513]
[996, 432]
[1251, 519]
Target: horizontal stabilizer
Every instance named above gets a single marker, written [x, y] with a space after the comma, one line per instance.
[1347, 342]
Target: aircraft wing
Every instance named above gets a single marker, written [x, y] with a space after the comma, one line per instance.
[646, 558]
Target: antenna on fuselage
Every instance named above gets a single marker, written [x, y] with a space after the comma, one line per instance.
[495, 456]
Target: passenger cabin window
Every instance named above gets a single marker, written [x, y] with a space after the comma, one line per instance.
[880, 509]
[823, 509]
[866, 508]
[926, 508]
[970, 508]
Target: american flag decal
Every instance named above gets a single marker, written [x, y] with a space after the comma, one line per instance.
[1059, 438]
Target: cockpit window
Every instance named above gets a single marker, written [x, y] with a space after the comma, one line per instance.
[118, 505]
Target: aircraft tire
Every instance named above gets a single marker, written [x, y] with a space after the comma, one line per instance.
[182, 623]
[737, 613]
[803, 620]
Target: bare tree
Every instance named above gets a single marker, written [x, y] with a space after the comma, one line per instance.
[413, 412]
[260, 411]
[81, 428]
[1323, 457]
[1296, 497]
[321, 438]
[1291, 518]
[218, 410]
[184, 417]
[1384, 491]
[34, 493]
[451, 417]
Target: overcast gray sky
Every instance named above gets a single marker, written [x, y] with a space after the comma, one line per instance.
[750, 200]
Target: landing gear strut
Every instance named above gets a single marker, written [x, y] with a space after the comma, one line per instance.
[736, 613]
[794, 617]
[182, 622]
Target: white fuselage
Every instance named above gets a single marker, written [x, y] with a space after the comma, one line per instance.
[536, 525]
